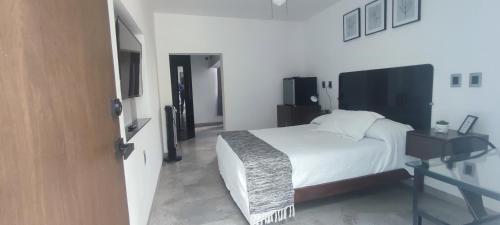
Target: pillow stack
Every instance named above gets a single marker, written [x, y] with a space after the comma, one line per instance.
[347, 124]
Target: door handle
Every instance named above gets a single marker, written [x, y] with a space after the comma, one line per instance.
[122, 149]
[116, 107]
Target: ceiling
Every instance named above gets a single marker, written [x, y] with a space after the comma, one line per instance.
[298, 10]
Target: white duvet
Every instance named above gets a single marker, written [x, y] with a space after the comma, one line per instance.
[317, 157]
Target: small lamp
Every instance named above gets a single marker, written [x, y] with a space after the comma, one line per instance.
[314, 99]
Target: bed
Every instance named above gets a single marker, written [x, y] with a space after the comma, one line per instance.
[324, 164]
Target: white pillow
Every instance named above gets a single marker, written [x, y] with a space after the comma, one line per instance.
[393, 134]
[319, 120]
[382, 129]
[349, 124]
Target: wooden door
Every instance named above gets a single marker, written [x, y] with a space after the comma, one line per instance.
[57, 159]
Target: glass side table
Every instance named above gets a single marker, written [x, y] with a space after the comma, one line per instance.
[466, 176]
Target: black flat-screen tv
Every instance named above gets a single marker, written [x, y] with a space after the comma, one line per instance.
[129, 60]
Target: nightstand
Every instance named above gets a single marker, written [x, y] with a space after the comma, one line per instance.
[428, 144]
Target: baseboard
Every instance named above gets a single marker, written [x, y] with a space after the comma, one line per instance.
[208, 124]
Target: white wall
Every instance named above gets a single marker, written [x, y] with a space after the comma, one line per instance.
[204, 80]
[256, 55]
[141, 176]
[456, 36]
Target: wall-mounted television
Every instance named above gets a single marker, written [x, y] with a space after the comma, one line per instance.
[129, 60]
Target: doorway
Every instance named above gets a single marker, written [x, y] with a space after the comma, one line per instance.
[182, 95]
[196, 81]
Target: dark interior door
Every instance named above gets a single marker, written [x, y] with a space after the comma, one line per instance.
[182, 95]
[57, 159]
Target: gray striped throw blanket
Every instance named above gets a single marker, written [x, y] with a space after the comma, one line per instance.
[269, 177]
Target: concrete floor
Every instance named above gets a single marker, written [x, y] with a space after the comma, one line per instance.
[191, 192]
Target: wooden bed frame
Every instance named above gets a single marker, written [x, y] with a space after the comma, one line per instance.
[410, 91]
[349, 185]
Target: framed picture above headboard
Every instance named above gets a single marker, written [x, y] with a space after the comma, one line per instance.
[402, 94]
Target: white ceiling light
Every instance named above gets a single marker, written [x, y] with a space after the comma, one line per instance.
[279, 2]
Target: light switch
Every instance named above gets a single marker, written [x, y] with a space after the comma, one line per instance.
[475, 79]
[456, 80]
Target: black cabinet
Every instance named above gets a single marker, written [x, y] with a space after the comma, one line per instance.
[289, 115]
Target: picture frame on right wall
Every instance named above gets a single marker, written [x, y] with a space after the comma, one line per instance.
[405, 12]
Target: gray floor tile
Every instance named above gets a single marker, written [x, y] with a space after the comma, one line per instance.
[191, 192]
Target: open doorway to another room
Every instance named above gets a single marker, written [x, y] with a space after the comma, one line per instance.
[197, 93]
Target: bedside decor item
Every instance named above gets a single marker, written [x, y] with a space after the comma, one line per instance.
[405, 12]
[352, 25]
[475, 79]
[375, 16]
[442, 126]
[456, 80]
[467, 125]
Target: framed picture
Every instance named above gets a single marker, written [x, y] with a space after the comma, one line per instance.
[405, 12]
[375, 16]
[467, 125]
[352, 25]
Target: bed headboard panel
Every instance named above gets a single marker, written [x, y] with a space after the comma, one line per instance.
[402, 94]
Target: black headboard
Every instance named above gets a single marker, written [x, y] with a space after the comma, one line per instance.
[402, 94]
